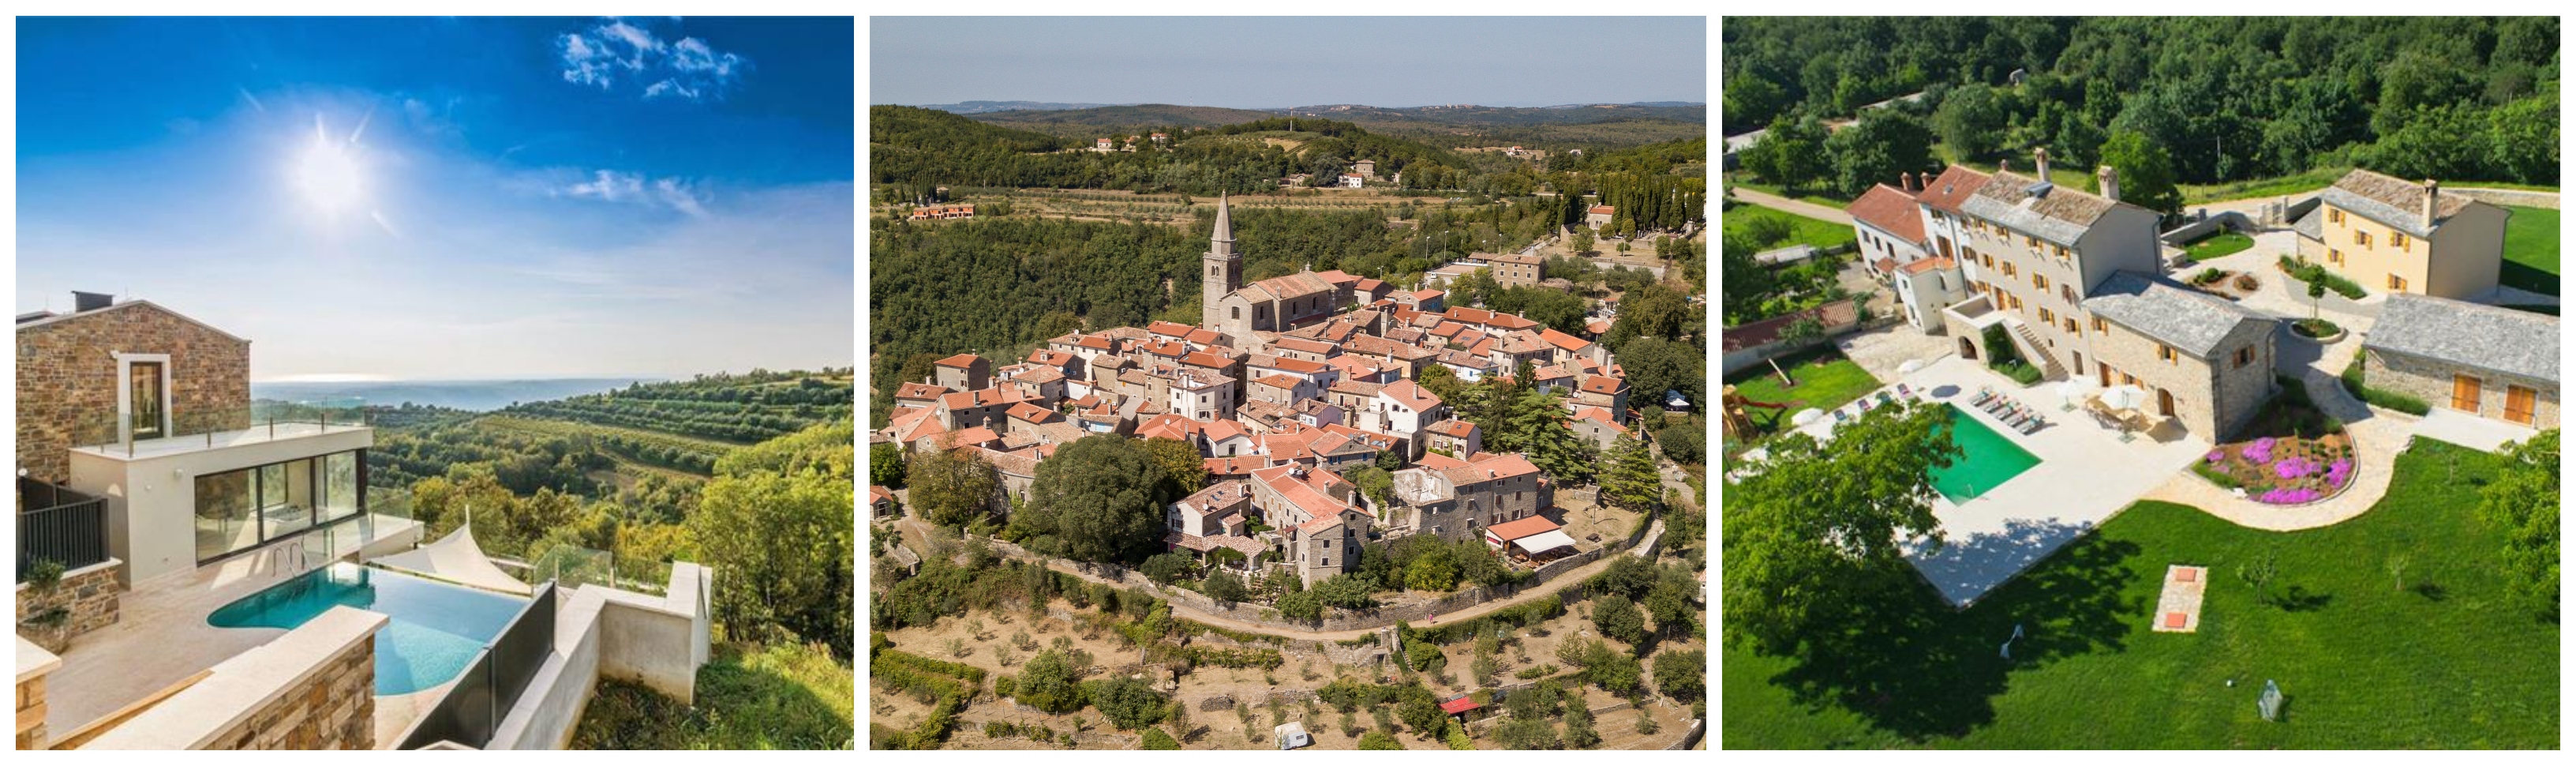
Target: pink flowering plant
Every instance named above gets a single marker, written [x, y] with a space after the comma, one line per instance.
[2281, 470]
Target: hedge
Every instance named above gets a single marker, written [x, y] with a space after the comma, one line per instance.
[1452, 633]
[909, 660]
[933, 728]
[2354, 383]
[1193, 627]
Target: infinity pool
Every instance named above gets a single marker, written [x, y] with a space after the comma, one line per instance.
[434, 632]
[1986, 459]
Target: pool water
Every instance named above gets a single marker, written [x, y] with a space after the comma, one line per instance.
[434, 632]
[1986, 459]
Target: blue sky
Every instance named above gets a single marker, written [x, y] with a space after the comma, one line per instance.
[1250, 62]
[450, 198]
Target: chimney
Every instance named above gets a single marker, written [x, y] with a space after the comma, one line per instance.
[2041, 156]
[1905, 181]
[82, 301]
[2110, 179]
[2432, 195]
[2003, 165]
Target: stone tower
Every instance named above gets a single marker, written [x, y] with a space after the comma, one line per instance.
[1224, 268]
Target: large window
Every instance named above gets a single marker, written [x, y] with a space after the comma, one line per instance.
[239, 510]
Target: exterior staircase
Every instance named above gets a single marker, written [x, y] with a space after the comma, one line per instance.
[2032, 350]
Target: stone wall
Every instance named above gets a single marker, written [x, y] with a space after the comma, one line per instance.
[2519, 197]
[334, 709]
[67, 377]
[2431, 381]
[89, 593]
[31, 707]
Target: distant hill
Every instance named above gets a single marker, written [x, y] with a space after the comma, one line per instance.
[478, 395]
[1450, 125]
[1470, 115]
[980, 107]
[1124, 120]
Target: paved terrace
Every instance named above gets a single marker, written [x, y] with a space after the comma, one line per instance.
[2085, 476]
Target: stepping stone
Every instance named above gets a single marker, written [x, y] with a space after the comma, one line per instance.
[2175, 620]
[2186, 575]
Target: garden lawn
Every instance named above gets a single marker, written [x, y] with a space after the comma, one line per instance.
[1775, 190]
[2531, 250]
[2448, 661]
[1826, 379]
[2217, 246]
[1803, 230]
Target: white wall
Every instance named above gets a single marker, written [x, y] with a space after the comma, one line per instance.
[152, 501]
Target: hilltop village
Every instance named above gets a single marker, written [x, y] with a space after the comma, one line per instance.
[1284, 385]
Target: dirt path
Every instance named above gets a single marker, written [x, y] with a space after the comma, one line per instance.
[1185, 611]
[1786, 205]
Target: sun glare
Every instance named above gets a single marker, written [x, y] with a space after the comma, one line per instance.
[328, 173]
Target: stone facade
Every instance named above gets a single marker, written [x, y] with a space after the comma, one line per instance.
[31, 707]
[335, 709]
[88, 593]
[2432, 382]
[67, 378]
[2210, 397]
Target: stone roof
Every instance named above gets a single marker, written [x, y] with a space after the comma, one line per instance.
[2044, 210]
[2193, 322]
[2489, 338]
[1224, 220]
[1890, 210]
[2311, 226]
[2392, 201]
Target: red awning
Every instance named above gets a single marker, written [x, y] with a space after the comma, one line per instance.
[1459, 705]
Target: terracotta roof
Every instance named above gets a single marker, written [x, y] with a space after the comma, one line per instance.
[1281, 381]
[1889, 209]
[1297, 490]
[1434, 461]
[1040, 375]
[1883, 265]
[1921, 265]
[1954, 185]
[1172, 329]
[1303, 344]
[1406, 393]
[983, 398]
[1452, 427]
[1336, 277]
[1603, 384]
[1459, 705]
[1487, 466]
[919, 391]
[973, 436]
[1598, 415]
[1202, 336]
[1101, 342]
[1598, 326]
[878, 494]
[1032, 413]
[960, 360]
[1299, 366]
[1562, 340]
[1520, 528]
[1238, 465]
[1599, 209]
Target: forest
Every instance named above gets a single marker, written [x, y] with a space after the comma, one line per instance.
[2210, 100]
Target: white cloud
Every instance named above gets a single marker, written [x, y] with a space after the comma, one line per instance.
[688, 68]
[679, 196]
[609, 186]
[630, 188]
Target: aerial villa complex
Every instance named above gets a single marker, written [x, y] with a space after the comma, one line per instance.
[197, 572]
[2135, 368]
[1286, 382]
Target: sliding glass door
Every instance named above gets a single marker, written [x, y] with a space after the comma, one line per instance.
[242, 509]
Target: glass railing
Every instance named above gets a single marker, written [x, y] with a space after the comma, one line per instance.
[263, 420]
[570, 565]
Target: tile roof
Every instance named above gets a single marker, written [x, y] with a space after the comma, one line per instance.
[1303, 344]
[2389, 200]
[1603, 384]
[1488, 466]
[1299, 366]
[1520, 528]
[1889, 209]
[960, 360]
[1222, 429]
[919, 391]
[1101, 342]
[1562, 340]
[1203, 336]
[1452, 427]
[2189, 320]
[980, 398]
[973, 436]
[1040, 375]
[2045, 210]
[1953, 186]
[1279, 381]
[1599, 415]
[1604, 209]
[1238, 465]
[1920, 265]
[1032, 413]
[1169, 329]
[2490, 338]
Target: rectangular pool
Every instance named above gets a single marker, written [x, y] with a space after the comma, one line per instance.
[1986, 459]
[434, 632]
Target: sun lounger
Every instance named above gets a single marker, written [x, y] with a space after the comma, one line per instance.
[2034, 425]
[1981, 398]
[1902, 390]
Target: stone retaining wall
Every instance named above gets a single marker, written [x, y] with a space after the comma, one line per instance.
[335, 709]
[2509, 197]
[88, 593]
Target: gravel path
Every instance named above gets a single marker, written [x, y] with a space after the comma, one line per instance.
[1786, 205]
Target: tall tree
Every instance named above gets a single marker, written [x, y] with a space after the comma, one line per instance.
[1630, 480]
[1180, 462]
[952, 486]
[1816, 527]
[1884, 144]
[2146, 173]
[1101, 498]
[2523, 500]
[1971, 119]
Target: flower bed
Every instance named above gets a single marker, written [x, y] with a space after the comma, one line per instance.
[2282, 470]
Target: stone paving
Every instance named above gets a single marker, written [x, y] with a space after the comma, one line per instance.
[2466, 430]
[1881, 351]
[2378, 436]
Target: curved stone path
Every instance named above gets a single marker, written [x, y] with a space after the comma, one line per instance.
[2378, 435]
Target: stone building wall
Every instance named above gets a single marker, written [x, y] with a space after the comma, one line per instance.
[335, 709]
[31, 707]
[67, 377]
[2431, 381]
[2212, 397]
[88, 593]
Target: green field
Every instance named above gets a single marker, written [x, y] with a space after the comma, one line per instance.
[2444, 662]
[1802, 230]
[2531, 249]
[1774, 190]
[1825, 380]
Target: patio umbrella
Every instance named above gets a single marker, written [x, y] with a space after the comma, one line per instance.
[1910, 366]
[2071, 391]
[2124, 397]
[1808, 415]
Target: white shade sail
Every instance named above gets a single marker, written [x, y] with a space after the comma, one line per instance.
[1544, 541]
[455, 558]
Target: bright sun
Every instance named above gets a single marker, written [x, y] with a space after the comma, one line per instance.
[328, 173]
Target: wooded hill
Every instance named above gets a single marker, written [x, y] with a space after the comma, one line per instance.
[1552, 129]
[2229, 99]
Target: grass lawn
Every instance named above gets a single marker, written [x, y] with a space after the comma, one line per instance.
[777, 697]
[1825, 380]
[2531, 249]
[1774, 190]
[1803, 230]
[2445, 662]
[2218, 245]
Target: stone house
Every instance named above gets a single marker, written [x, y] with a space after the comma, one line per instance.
[963, 372]
[2488, 361]
[2203, 360]
[2396, 236]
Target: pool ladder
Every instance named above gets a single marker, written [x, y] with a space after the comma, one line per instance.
[288, 558]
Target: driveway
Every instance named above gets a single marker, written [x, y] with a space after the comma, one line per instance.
[2278, 295]
[1786, 205]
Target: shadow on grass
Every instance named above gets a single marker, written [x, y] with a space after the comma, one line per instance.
[1918, 668]
[2297, 598]
[2525, 277]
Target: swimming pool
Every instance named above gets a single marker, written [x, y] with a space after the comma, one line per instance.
[434, 632]
[1986, 459]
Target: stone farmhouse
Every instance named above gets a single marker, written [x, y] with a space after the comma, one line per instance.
[2488, 361]
[2393, 236]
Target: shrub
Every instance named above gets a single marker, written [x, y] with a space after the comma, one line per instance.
[1999, 347]
[1578, 728]
[1002, 687]
[1681, 675]
[2207, 276]
[1225, 587]
[1302, 605]
[1614, 671]
[1155, 739]
[1537, 672]
[1127, 702]
[1377, 741]
[2315, 328]
[1619, 618]
[2354, 384]
[1047, 683]
[1166, 567]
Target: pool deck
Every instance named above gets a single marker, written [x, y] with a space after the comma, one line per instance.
[161, 638]
[2084, 477]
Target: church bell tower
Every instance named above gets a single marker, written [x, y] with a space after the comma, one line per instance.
[1224, 268]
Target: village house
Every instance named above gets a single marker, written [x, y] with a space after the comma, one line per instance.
[1599, 216]
[2489, 361]
[1318, 528]
[1451, 498]
[943, 212]
[1351, 180]
[1457, 438]
[1515, 269]
[963, 372]
[2394, 236]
